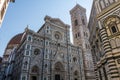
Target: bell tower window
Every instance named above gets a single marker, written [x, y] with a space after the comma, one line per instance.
[83, 21]
[76, 22]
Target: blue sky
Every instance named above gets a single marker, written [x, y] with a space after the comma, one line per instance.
[32, 13]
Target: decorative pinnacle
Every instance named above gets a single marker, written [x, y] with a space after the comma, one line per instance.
[27, 28]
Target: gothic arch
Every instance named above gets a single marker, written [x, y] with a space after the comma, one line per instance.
[59, 71]
[34, 73]
[59, 66]
[35, 69]
[76, 75]
[75, 59]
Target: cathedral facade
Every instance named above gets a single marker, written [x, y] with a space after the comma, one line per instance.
[48, 53]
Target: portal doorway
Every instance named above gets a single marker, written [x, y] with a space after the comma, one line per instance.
[34, 78]
[57, 77]
[76, 79]
[59, 71]
[34, 73]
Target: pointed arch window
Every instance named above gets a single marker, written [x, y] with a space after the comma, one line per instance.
[29, 38]
[28, 46]
[83, 21]
[74, 59]
[25, 65]
[76, 22]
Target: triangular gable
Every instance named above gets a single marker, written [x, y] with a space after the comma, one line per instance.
[55, 21]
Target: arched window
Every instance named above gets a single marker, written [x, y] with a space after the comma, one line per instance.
[27, 52]
[79, 34]
[41, 42]
[74, 59]
[25, 64]
[59, 66]
[34, 73]
[113, 29]
[76, 73]
[83, 21]
[48, 29]
[28, 46]
[76, 22]
[29, 38]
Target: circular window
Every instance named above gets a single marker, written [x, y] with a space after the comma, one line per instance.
[36, 51]
[57, 36]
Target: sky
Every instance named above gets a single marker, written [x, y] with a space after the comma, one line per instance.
[32, 13]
